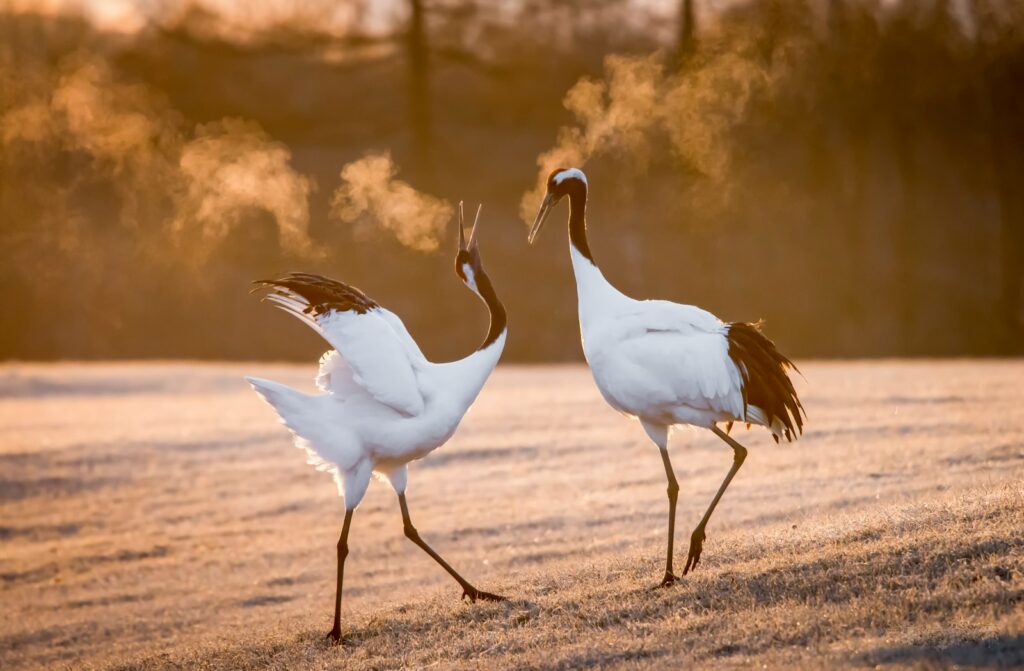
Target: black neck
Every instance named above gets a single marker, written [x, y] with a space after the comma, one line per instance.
[578, 219]
[497, 310]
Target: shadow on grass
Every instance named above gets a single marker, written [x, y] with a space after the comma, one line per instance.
[996, 652]
[601, 659]
[589, 618]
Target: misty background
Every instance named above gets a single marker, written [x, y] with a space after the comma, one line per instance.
[851, 171]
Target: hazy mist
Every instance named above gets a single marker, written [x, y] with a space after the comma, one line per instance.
[848, 170]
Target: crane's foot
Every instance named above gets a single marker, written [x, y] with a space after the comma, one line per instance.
[696, 545]
[669, 580]
[334, 635]
[473, 594]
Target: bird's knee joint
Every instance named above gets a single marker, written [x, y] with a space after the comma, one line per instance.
[342, 549]
[739, 454]
[673, 490]
[411, 533]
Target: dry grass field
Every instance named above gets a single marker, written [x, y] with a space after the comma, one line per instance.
[155, 516]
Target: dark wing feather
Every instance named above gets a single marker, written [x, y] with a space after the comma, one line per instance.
[321, 294]
[766, 383]
[373, 342]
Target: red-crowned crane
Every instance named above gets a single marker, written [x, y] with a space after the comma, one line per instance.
[667, 364]
[383, 404]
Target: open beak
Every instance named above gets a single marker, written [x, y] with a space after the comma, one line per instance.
[542, 215]
[473, 246]
[462, 233]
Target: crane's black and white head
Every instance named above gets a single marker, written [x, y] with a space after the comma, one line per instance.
[468, 264]
[561, 183]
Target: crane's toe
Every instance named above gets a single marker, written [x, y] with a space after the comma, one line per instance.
[334, 636]
[473, 594]
[696, 545]
[669, 580]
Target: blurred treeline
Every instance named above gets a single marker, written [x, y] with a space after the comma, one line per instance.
[851, 171]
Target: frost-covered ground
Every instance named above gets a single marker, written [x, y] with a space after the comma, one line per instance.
[156, 515]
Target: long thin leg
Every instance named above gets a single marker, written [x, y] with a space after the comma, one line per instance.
[467, 590]
[673, 495]
[697, 539]
[335, 634]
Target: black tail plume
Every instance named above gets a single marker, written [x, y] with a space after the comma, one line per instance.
[766, 383]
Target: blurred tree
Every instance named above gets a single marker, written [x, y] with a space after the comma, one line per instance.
[687, 31]
[1001, 52]
[419, 86]
[842, 53]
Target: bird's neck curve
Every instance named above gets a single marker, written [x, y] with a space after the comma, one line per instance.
[499, 320]
[578, 220]
[469, 374]
[596, 296]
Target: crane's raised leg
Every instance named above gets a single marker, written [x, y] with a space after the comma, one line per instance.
[697, 539]
[335, 634]
[468, 591]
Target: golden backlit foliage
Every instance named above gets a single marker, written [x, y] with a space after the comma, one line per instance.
[221, 20]
[848, 170]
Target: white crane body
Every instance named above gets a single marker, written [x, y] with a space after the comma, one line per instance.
[352, 433]
[667, 364]
[658, 361]
[382, 403]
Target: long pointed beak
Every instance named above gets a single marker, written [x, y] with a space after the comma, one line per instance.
[472, 244]
[462, 234]
[542, 215]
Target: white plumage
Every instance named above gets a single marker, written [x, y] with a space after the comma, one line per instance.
[668, 364]
[383, 403]
[659, 361]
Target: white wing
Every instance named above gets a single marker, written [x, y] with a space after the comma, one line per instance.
[403, 334]
[378, 356]
[660, 355]
[335, 375]
[378, 353]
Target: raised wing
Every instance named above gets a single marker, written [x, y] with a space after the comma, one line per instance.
[377, 349]
[335, 376]
[403, 334]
